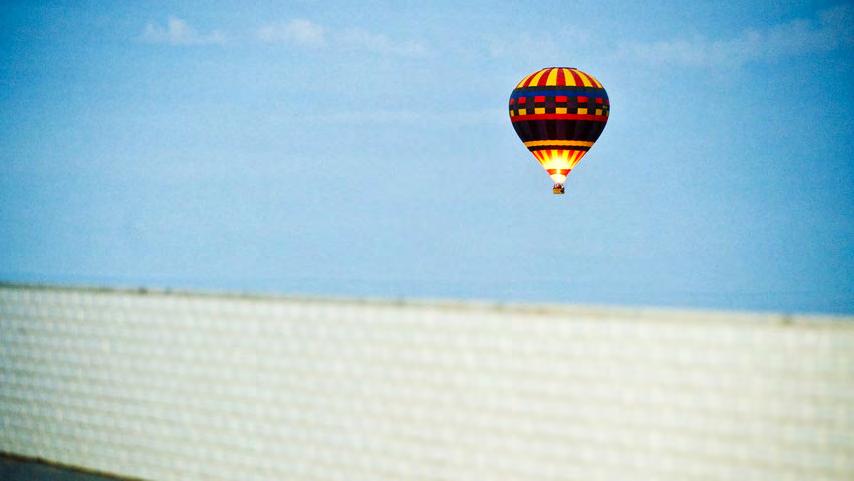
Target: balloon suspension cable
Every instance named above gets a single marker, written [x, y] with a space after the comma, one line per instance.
[557, 189]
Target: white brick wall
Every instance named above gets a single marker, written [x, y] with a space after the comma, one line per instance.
[201, 387]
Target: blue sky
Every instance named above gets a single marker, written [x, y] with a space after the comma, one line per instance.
[364, 149]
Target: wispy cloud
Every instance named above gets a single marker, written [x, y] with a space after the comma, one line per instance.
[178, 32]
[298, 32]
[305, 33]
[358, 39]
[522, 45]
[831, 29]
[453, 118]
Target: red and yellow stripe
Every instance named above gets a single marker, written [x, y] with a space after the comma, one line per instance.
[559, 143]
[559, 77]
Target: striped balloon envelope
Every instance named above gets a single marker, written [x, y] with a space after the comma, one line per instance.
[559, 113]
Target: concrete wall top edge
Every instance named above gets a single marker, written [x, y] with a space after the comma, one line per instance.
[590, 311]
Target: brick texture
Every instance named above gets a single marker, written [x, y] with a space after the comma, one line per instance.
[181, 386]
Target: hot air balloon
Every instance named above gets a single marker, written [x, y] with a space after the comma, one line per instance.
[559, 113]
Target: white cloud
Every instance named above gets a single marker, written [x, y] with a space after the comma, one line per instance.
[830, 30]
[304, 33]
[454, 117]
[358, 39]
[178, 32]
[524, 45]
[827, 30]
[298, 31]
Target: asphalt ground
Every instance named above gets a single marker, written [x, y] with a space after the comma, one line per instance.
[22, 469]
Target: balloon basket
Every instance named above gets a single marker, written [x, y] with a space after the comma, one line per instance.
[557, 189]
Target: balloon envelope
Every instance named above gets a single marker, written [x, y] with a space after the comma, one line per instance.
[558, 113]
